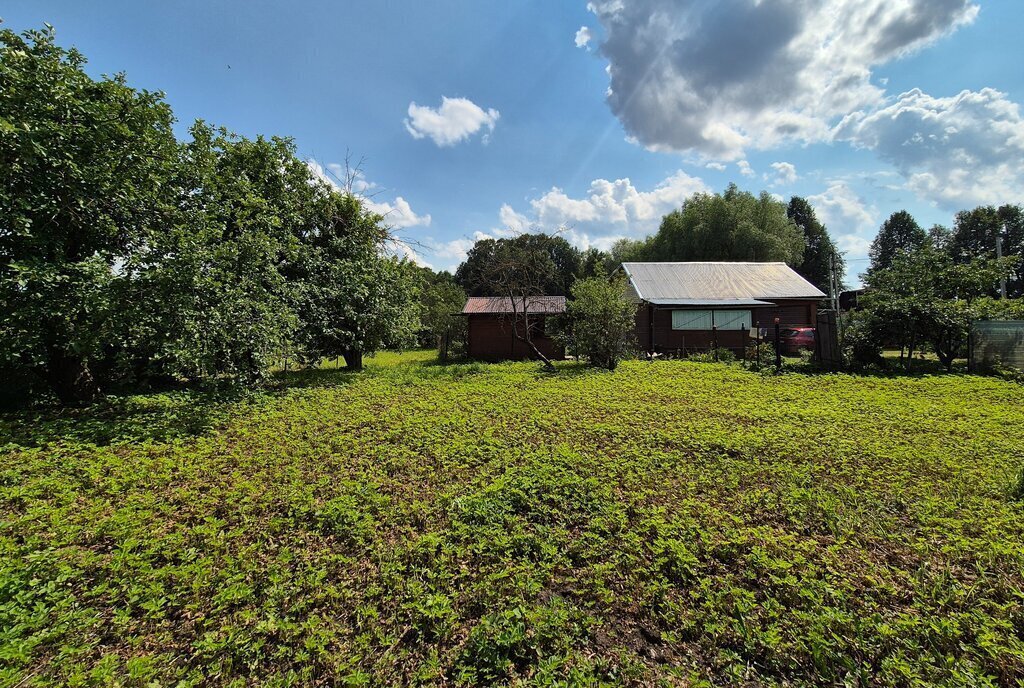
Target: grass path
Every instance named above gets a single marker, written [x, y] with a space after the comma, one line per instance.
[672, 523]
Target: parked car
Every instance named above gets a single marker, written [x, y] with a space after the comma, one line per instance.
[793, 339]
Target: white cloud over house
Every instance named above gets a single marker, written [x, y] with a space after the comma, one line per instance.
[609, 210]
[614, 205]
[454, 121]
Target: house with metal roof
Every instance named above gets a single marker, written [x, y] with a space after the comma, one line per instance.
[496, 326]
[691, 307]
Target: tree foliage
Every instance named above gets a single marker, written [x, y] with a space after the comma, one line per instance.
[733, 226]
[900, 233]
[820, 255]
[924, 296]
[127, 257]
[975, 233]
[84, 166]
[562, 263]
[441, 301]
[601, 319]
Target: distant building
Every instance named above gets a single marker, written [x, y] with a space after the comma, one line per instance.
[850, 300]
[689, 307]
[493, 323]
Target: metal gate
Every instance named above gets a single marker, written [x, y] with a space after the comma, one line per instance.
[996, 342]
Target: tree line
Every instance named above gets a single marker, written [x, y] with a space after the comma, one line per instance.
[924, 288]
[130, 259]
[731, 226]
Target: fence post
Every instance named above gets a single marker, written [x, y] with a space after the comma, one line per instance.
[778, 348]
[970, 347]
[757, 347]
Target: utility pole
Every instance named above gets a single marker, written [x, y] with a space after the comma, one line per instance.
[999, 256]
[833, 283]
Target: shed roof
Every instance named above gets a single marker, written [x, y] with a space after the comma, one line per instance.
[544, 305]
[690, 283]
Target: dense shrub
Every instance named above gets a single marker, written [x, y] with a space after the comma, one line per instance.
[719, 355]
[863, 336]
[601, 320]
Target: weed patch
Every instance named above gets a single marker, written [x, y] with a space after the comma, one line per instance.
[669, 523]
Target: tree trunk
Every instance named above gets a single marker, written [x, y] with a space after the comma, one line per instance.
[529, 342]
[947, 353]
[70, 378]
[353, 359]
[442, 353]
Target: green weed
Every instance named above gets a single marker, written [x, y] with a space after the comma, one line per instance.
[670, 523]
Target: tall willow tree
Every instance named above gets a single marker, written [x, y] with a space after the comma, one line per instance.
[732, 226]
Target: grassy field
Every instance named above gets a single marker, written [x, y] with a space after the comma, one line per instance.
[670, 523]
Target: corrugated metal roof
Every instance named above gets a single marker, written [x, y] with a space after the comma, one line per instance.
[678, 282]
[503, 304]
[718, 303]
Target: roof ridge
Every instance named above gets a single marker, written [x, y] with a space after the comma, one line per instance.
[704, 262]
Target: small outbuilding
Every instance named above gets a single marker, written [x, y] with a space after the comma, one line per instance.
[496, 326]
[692, 307]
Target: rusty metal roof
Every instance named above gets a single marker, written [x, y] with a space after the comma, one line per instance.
[689, 282]
[549, 305]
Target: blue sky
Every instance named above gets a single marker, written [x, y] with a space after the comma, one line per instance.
[480, 118]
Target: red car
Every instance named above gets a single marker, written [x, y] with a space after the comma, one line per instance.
[793, 339]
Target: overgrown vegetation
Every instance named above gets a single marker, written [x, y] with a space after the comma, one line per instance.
[601, 320]
[667, 523]
[129, 259]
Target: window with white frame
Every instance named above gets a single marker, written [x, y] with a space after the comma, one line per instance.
[732, 320]
[691, 320]
[706, 319]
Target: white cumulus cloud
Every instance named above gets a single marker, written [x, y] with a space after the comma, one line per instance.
[397, 214]
[850, 220]
[583, 37]
[608, 211]
[615, 204]
[785, 173]
[454, 121]
[960, 151]
[720, 77]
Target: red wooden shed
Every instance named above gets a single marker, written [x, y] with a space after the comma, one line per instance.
[493, 322]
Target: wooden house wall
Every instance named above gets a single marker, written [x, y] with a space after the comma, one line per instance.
[790, 313]
[491, 338]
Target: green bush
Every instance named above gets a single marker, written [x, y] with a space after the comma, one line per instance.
[863, 339]
[600, 320]
[719, 355]
[759, 356]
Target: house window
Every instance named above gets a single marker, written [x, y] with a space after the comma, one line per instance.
[705, 320]
[691, 320]
[733, 320]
